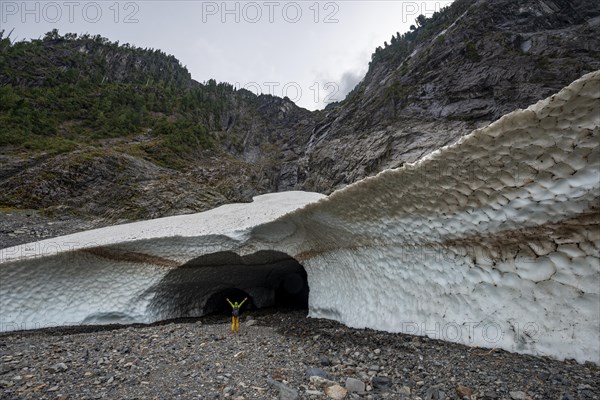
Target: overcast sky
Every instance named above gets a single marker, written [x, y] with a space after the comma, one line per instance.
[312, 51]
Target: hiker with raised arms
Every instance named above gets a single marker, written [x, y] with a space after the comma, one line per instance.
[235, 314]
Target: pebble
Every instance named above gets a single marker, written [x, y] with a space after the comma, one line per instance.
[518, 395]
[60, 367]
[463, 391]
[434, 393]
[324, 360]
[285, 392]
[310, 392]
[336, 392]
[320, 382]
[317, 372]
[381, 382]
[355, 386]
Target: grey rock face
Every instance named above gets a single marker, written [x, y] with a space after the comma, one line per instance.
[487, 59]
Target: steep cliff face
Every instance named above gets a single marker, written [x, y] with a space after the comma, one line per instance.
[462, 68]
[271, 133]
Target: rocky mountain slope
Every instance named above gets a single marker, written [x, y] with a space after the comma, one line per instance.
[79, 115]
[462, 69]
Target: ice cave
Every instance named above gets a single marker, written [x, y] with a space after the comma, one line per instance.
[492, 241]
[201, 286]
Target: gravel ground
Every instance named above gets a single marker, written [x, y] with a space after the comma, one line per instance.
[268, 359]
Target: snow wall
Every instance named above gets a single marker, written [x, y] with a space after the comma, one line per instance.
[493, 242]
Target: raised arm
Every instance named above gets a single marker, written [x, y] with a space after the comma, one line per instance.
[243, 301]
[230, 303]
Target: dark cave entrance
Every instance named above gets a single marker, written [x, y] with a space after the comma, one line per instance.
[269, 279]
[292, 291]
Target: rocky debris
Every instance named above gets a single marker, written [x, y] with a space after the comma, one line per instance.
[285, 392]
[435, 393]
[190, 360]
[355, 385]
[404, 391]
[313, 393]
[463, 391]
[336, 392]
[320, 382]
[310, 372]
[324, 360]
[518, 395]
[59, 367]
[381, 382]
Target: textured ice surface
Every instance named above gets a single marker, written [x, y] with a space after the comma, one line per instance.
[493, 241]
[109, 275]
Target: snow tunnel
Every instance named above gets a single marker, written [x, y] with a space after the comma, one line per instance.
[202, 285]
